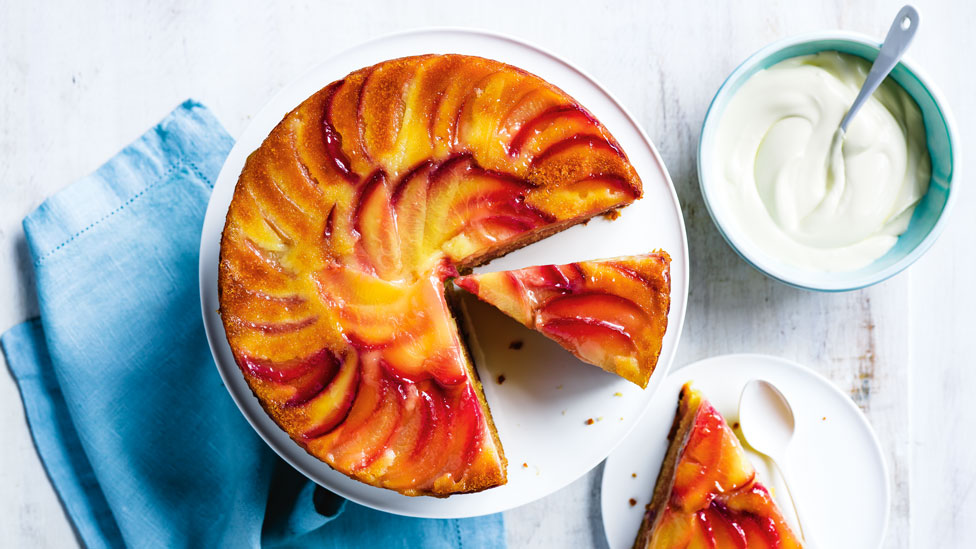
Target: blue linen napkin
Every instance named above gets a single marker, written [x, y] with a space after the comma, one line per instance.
[139, 437]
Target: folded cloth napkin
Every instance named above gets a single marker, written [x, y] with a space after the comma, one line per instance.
[139, 437]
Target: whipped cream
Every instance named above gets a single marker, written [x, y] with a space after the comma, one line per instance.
[797, 191]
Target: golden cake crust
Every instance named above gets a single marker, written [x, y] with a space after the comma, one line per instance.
[345, 224]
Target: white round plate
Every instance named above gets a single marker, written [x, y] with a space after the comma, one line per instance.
[541, 409]
[840, 477]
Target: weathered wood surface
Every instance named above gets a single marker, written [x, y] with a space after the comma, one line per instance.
[80, 80]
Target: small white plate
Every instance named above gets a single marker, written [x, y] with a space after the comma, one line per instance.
[841, 480]
[541, 409]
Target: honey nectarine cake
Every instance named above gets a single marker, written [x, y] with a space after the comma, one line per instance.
[707, 494]
[346, 222]
[612, 313]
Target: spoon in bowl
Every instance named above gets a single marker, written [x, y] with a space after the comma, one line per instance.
[899, 36]
[767, 423]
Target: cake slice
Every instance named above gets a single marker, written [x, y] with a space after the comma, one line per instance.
[707, 494]
[612, 313]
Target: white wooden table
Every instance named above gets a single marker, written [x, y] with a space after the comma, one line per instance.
[80, 80]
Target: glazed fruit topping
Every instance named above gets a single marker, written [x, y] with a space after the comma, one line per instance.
[345, 225]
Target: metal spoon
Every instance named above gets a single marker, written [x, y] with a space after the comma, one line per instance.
[767, 423]
[899, 36]
[896, 42]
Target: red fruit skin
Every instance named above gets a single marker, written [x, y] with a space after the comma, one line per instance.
[378, 250]
[322, 373]
[597, 307]
[548, 116]
[337, 417]
[579, 140]
[714, 485]
[577, 333]
[611, 313]
[282, 372]
[469, 284]
[332, 139]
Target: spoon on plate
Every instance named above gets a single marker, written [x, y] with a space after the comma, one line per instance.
[767, 423]
[899, 36]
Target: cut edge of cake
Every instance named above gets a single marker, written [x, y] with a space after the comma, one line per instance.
[689, 401]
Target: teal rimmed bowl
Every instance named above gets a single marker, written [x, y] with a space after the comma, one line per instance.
[930, 215]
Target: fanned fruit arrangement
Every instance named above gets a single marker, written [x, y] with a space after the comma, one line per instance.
[345, 225]
[707, 494]
[611, 313]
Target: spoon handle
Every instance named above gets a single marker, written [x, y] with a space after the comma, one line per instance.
[895, 43]
[806, 530]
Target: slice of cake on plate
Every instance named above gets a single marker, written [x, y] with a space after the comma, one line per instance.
[612, 313]
[707, 494]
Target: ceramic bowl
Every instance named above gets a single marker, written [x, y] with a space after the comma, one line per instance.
[930, 215]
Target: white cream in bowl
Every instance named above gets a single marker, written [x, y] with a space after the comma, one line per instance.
[779, 184]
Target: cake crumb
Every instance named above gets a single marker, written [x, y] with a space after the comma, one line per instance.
[516, 345]
[564, 412]
[501, 379]
[633, 502]
[590, 421]
[633, 475]
[559, 387]
[612, 215]
[618, 394]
